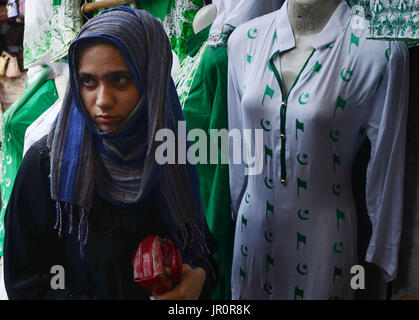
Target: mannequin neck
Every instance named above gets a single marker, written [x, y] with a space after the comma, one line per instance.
[309, 17]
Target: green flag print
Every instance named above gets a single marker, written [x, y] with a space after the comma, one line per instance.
[387, 54]
[244, 223]
[301, 239]
[316, 69]
[340, 104]
[340, 215]
[380, 81]
[249, 59]
[269, 209]
[337, 273]
[268, 153]
[301, 184]
[269, 262]
[298, 126]
[298, 293]
[354, 40]
[268, 92]
[336, 162]
[242, 274]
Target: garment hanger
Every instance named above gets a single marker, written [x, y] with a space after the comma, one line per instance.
[89, 7]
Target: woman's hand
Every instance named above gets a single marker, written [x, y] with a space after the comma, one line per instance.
[190, 286]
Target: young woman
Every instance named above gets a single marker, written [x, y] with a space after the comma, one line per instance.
[90, 191]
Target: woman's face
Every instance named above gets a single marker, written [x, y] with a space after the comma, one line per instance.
[107, 86]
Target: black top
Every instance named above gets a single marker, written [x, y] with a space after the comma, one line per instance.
[32, 246]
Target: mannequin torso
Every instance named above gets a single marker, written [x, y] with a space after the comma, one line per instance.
[204, 17]
[307, 18]
[351, 88]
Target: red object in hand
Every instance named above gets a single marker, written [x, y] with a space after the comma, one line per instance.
[149, 260]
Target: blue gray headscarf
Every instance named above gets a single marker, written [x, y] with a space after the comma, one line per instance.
[120, 166]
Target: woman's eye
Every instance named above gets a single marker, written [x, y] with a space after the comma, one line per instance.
[120, 80]
[87, 82]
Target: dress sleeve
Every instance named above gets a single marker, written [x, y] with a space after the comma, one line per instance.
[237, 178]
[32, 246]
[386, 129]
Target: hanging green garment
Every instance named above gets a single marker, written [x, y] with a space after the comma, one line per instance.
[176, 16]
[196, 47]
[37, 32]
[206, 108]
[34, 100]
[390, 19]
[66, 22]
[50, 27]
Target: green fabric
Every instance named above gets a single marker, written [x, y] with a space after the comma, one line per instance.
[158, 8]
[177, 17]
[390, 19]
[50, 27]
[35, 99]
[196, 47]
[206, 108]
[197, 40]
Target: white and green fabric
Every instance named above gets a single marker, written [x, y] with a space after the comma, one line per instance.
[296, 228]
[37, 32]
[390, 19]
[232, 13]
[66, 22]
[189, 65]
[177, 17]
[50, 27]
[35, 99]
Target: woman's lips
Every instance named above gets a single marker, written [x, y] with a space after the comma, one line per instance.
[106, 119]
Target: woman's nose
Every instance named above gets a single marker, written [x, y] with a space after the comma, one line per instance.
[104, 98]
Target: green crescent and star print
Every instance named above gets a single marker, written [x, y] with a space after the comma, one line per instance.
[296, 230]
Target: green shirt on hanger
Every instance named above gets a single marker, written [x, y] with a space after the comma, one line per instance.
[177, 17]
[206, 108]
[34, 100]
[196, 47]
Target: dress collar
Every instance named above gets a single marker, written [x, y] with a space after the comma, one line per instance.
[334, 27]
[195, 43]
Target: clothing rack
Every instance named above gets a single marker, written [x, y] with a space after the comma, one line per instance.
[89, 7]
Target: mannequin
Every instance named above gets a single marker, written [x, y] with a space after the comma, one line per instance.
[307, 18]
[204, 17]
[317, 88]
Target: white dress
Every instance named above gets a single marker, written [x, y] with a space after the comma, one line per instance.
[296, 231]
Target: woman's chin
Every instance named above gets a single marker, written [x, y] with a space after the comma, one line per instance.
[107, 128]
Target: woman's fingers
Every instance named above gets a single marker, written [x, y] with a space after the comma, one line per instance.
[190, 286]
